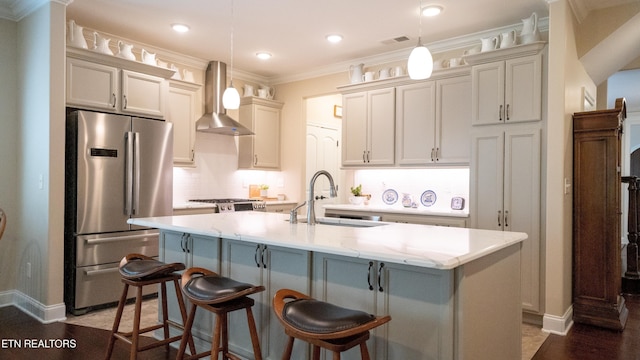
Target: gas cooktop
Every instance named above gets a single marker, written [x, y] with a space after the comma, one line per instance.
[232, 205]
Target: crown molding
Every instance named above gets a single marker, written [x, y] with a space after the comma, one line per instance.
[17, 10]
[452, 44]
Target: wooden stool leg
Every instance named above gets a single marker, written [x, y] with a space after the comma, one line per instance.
[254, 335]
[135, 335]
[316, 352]
[364, 351]
[186, 334]
[183, 314]
[287, 351]
[116, 321]
[336, 355]
[165, 314]
[215, 343]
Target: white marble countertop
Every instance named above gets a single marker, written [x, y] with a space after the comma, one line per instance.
[398, 209]
[419, 245]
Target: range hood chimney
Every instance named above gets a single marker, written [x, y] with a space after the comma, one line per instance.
[215, 120]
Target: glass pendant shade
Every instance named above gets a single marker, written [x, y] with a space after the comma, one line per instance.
[231, 98]
[420, 64]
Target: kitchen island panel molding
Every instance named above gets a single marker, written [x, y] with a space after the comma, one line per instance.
[456, 282]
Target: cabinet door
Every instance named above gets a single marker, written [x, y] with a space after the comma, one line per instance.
[241, 261]
[415, 123]
[487, 162]
[172, 249]
[142, 94]
[523, 89]
[203, 252]
[182, 111]
[348, 282]
[267, 138]
[400, 291]
[91, 85]
[487, 96]
[354, 129]
[522, 205]
[453, 125]
[381, 129]
[285, 268]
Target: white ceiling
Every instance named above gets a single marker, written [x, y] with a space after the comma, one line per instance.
[294, 30]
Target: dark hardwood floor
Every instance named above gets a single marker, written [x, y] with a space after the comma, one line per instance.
[592, 343]
[24, 338]
[582, 343]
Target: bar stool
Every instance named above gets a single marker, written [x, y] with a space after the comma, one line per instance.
[139, 270]
[322, 324]
[220, 295]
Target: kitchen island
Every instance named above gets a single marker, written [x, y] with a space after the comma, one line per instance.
[452, 293]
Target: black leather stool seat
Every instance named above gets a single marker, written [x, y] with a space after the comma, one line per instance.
[322, 318]
[148, 268]
[213, 289]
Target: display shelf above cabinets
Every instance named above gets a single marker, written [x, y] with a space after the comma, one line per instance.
[117, 62]
[97, 82]
[507, 85]
[262, 150]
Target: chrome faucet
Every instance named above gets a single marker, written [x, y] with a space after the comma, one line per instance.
[311, 212]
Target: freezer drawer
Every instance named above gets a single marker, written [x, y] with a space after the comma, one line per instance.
[107, 248]
[100, 284]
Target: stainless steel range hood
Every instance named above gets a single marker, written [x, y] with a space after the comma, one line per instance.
[215, 120]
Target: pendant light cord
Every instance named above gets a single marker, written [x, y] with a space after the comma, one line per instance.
[231, 68]
[419, 22]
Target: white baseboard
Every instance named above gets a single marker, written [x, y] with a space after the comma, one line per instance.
[46, 314]
[558, 325]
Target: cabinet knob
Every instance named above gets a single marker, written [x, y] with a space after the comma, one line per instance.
[499, 218]
[113, 95]
[500, 113]
[124, 104]
[507, 112]
[369, 275]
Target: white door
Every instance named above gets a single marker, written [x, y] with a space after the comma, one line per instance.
[323, 153]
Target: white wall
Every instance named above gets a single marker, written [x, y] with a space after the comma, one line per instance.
[9, 125]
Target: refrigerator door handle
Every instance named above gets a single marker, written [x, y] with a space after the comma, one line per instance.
[136, 174]
[128, 186]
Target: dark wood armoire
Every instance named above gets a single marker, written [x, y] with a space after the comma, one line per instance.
[597, 209]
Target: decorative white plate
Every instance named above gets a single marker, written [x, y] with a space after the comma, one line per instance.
[389, 196]
[428, 198]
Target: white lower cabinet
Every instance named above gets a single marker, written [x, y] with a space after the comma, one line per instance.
[505, 193]
[275, 268]
[191, 250]
[382, 288]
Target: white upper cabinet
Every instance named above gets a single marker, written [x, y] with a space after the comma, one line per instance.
[262, 150]
[507, 91]
[433, 120]
[142, 94]
[183, 109]
[369, 128]
[92, 85]
[108, 83]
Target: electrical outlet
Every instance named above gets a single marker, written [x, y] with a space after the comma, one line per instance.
[28, 270]
[567, 186]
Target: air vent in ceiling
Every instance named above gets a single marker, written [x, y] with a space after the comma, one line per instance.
[395, 40]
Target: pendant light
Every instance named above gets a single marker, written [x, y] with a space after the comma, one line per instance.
[230, 96]
[420, 63]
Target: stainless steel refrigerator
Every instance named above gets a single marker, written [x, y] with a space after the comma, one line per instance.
[117, 167]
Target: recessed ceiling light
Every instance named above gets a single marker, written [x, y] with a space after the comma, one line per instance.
[181, 28]
[263, 55]
[334, 38]
[432, 10]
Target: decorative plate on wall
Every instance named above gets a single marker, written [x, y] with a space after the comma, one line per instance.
[428, 198]
[389, 196]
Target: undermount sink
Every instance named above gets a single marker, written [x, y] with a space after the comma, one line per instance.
[345, 222]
